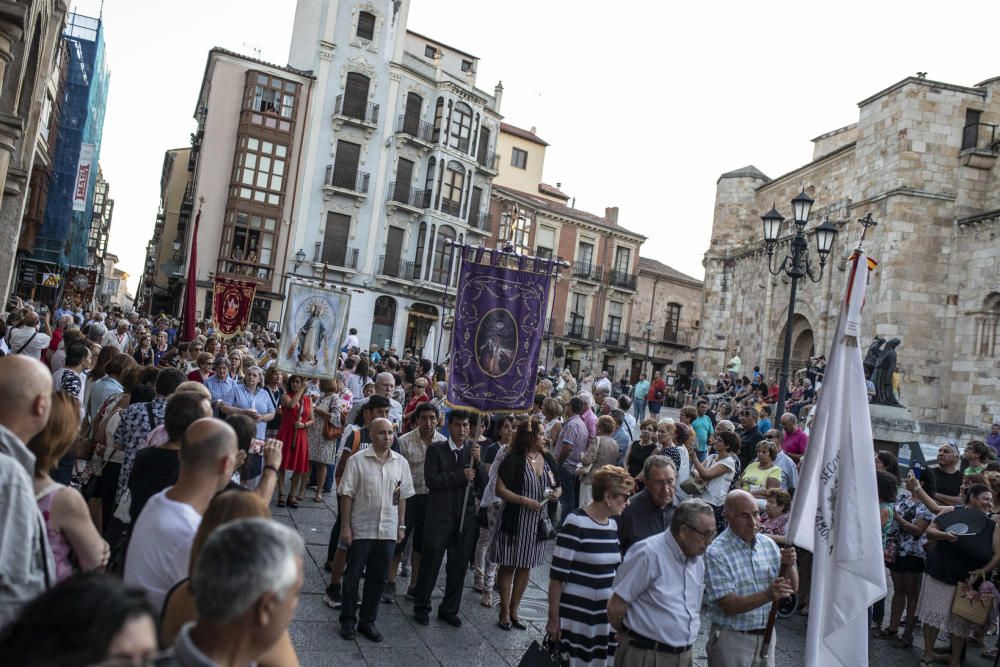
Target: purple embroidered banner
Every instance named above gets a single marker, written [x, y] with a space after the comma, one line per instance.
[499, 326]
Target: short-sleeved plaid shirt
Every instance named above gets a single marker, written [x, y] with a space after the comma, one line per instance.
[734, 567]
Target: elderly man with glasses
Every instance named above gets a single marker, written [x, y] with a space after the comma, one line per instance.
[741, 581]
[656, 598]
[385, 384]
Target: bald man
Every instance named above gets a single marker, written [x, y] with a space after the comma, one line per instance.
[741, 582]
[160, 546]
[26, 563]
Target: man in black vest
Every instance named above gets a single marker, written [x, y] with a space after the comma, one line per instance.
[450, 472]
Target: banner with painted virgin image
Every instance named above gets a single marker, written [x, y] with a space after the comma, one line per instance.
[231, 304]
[311, 331]
[499, 325]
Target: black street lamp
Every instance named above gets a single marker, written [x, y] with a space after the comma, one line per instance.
[795, 266]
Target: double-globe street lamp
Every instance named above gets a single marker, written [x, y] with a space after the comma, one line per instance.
[796, 265]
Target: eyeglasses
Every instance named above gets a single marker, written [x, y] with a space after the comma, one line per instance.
[707, 535]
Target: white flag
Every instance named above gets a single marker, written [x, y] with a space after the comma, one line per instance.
[835, 513]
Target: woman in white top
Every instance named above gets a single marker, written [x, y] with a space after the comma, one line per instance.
[718, 471]
[486, 571]
[665, 433]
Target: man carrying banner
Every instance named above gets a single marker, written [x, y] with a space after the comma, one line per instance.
[741, 583]
[835, 513]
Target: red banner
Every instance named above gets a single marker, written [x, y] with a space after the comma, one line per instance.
[231, 305]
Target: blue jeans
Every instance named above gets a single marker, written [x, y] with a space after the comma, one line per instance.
[567, 501]
[639, 409]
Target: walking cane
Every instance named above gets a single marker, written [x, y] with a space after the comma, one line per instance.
[765, 647]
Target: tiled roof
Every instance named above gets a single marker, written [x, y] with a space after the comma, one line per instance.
[552, 191]
[524, 134]
[653, 266]
[241, 56]
[562, 209]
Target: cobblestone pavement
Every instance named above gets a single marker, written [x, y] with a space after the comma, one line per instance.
[315, 630]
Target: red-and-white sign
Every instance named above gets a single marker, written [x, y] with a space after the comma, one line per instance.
[83, 177]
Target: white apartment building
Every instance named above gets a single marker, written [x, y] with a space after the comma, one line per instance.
[398, 157]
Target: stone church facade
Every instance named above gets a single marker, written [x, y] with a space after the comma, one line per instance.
[922, 158]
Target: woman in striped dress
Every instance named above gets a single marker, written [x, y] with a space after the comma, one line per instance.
[583, 570]
[525, 479]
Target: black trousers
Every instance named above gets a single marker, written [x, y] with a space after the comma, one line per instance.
[440, 540]
[372, 558]
[335, 532]
[108, 487]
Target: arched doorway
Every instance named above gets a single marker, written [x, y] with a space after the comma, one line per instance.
[384, 322]
[803, 347]
[421, 318]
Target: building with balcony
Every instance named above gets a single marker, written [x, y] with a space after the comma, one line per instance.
[32, 68]
[400, 160]
[922, 159]
[666, 316]
[62, 241]
[243, 162]
[591, 305]
[164, 262]
[100, 225]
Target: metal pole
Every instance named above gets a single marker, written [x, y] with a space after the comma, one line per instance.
[786, 354]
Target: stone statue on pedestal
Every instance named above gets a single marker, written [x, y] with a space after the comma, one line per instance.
[885, 366]
[871, 357]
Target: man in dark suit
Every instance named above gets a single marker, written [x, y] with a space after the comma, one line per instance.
[450, 472]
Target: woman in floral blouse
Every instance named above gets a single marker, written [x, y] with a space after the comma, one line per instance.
[908, 533]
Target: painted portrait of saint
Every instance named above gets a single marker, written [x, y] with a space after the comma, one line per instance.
[496, 342]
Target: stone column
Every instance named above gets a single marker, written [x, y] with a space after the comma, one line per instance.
[11, 127]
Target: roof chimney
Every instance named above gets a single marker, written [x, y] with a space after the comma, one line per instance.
[498, 94]
[611, 215]
[534, 130]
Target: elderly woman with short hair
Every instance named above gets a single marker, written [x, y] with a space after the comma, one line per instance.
[584, 562]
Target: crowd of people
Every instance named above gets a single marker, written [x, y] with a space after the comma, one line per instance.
[137, 469]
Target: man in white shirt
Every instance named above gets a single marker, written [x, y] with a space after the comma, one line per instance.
[351, 341]
[385, 384]
[160, 546]
[27, 339]
[603, 384]
[655, 603]
[374, 489]
[119, 338]
[413, 446]
[26, 566]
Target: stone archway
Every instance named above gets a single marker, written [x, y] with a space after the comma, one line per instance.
[803, 347]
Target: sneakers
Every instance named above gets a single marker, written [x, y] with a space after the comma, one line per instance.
[389, 591]
[332, 596]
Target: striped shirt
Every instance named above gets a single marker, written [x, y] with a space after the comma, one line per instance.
[734, 567]
[585, 560]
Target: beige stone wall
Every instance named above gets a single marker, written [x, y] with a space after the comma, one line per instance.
[649, 304]
[906, 168]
